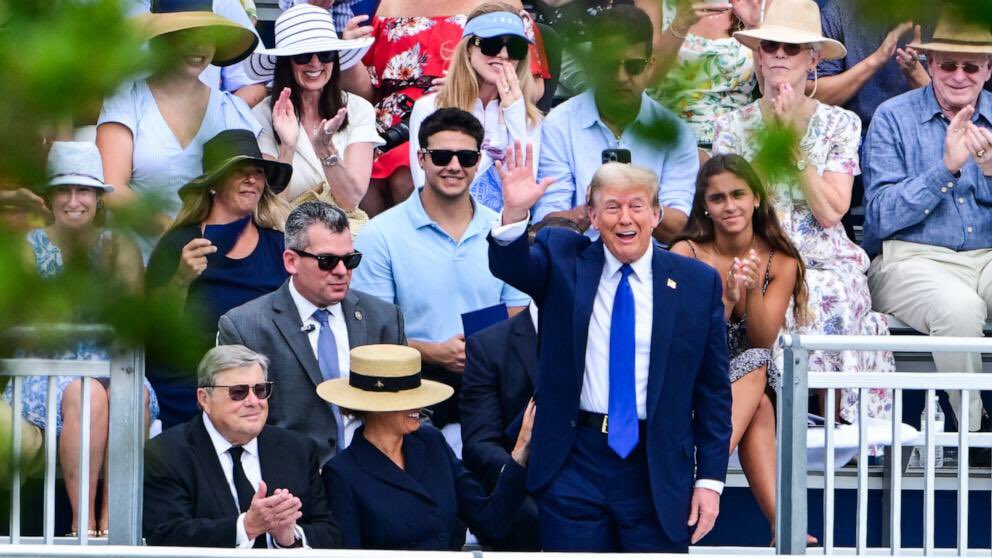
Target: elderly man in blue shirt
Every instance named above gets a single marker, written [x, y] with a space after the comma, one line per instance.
[928, 201]
[616, 114]
[429, 255]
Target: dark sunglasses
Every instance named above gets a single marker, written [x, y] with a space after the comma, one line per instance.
[771, 47]
[328, 262]
[324, 57]
[516, 48]
[633, 66]
[441, 157]
[240, 391]
[951, 67]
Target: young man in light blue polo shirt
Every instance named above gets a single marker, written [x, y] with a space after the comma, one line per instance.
[429, 254]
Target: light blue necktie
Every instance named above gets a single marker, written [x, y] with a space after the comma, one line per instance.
[330, 367]
[622, 426]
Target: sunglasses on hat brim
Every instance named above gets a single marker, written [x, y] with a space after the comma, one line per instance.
[516, 48]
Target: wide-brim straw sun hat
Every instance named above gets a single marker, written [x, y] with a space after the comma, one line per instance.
[305, 29]
[794, 22]
[958, 35]
[236, 147]
[232, 42]
[384, 378]
[76, 163]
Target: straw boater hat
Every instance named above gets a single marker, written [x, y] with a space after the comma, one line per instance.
[233, 147]
[233, 43]
[795, 22]
[305, 29]
[384, 378]
[955, 34]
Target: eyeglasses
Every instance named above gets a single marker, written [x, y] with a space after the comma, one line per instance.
[950, 67]
[771, 47]
[327, 262]
[633, 66]
[441, 157]
[516, 48]
[240, 391]
[324, 57]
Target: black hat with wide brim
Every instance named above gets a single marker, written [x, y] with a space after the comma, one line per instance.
[232, 148]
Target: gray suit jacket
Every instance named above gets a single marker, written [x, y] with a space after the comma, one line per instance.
[271, 325]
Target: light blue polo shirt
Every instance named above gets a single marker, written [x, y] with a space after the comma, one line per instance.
[408, 260]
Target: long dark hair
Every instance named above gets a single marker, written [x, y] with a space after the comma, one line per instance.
[332, 99]
[764, 221]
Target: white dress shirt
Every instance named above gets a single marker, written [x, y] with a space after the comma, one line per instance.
[312, 329]
[253, 471]
[595, 395]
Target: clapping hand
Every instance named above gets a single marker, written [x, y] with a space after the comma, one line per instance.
[284, 120]
[275, 514]
[890, 43]
[732, 285]
[979, 141]
[687, 15]
[787, 107]
[325, 133]
[355, 30]
[956, 151]
[746, 270]
[520, 190]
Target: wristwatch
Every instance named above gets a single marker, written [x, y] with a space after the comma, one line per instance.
[331, 160]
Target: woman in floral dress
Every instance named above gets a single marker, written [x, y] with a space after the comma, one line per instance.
[811, 203]
[414, 43]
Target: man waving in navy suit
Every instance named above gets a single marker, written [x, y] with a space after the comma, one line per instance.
[631, 438]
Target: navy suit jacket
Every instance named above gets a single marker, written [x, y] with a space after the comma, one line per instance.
[688, 393]
[499, 379]
[381, 506]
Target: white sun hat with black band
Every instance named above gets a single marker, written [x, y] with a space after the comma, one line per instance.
[384, 378]
[305, 29]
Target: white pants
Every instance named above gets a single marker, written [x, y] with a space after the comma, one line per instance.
[941, 292]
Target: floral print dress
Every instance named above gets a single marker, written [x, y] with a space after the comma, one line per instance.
[712, 78]
[839, 301]
[48, 263]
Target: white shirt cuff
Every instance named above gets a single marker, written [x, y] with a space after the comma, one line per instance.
[714, 485]
[241, 539]
[505, 234]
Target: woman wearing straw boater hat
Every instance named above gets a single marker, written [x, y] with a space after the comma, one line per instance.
[224, 249]
[398, 485]
[151, 132]
[328, 135]
[813, 195]
[928, 162]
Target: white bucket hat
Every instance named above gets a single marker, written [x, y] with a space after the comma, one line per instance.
[76, 163]
[794, 22]
[300, 30]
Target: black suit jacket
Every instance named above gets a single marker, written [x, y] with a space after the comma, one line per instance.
[417, 508]
[188, 501]
[500, 375]
[271, 325]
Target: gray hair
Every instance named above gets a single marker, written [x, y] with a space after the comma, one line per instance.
[227, 357]
[312, 213]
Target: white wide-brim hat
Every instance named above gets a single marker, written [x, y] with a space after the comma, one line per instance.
[794, 22]
[304, 29]
[76, 163]
[384, 378]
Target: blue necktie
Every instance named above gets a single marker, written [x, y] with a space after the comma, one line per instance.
[327, 358]
[622, 425]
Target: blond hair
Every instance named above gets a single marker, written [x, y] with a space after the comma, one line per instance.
[270, 213]
[623, 177]
[461, 86]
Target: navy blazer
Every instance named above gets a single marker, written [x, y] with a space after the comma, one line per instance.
[688, 391]
[500, 374]
[381, 506]
[188, 501]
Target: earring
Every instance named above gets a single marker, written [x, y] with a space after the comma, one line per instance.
[706, 213]
[213, 192]
[757, 205]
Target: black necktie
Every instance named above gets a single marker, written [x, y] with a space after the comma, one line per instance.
[241, 484]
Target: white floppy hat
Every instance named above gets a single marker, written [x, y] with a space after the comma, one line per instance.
[794, 22]
[300, 30]
[76, 163]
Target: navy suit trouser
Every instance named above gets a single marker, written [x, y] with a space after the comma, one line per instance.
[599, 502]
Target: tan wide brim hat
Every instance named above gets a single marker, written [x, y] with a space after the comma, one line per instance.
[794, 22]
[384, 378]
[955, 34]
[232, 42]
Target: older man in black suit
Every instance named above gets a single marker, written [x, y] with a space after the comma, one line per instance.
[225, 479]
[309, 325]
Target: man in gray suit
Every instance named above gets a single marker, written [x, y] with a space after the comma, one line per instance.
[308, 326]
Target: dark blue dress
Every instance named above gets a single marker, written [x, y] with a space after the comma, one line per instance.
[226, 284]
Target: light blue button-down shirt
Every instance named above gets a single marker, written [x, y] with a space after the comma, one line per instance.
[909, 194]
[573, 139]
[408, 260]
